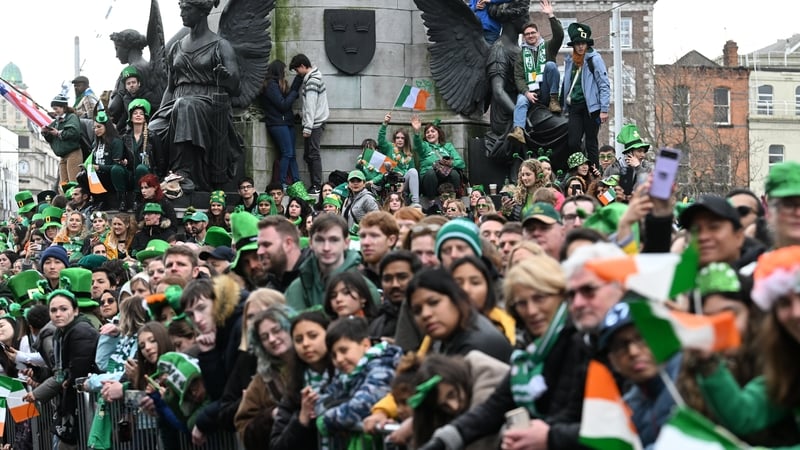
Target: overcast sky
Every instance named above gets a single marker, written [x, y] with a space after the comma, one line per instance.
[38, 35]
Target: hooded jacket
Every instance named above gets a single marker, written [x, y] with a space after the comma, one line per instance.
[357, 206]
[147, 233]
[309, 288]
[69, 138]
[595, 83]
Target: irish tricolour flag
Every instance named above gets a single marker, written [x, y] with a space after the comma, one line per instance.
[688, 430]
[667, 332]
[412, 97]
[11, 393]
[606, 420]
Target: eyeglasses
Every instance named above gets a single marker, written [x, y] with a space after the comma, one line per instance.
[608, 157]
[789, 205]
[618, 346]
[569, 217]
[245, 187]
[107, 301]
[587, 291]
[483, 206]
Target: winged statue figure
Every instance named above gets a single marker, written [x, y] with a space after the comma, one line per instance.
[473, 76]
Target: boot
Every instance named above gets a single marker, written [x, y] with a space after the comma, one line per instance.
[123, 204]
[518, 134]
[554, 106]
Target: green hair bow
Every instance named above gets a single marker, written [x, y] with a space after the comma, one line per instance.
[422, 391]
[173, 296]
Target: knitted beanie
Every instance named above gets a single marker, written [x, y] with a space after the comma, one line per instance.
[55, 251]
[463, 229]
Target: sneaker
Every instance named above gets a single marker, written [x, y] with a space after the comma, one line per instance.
[518, 134]
[314, 190]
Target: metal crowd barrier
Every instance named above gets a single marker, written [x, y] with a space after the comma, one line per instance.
[377, 441]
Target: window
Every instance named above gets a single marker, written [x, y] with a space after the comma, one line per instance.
[565, 24]
[625, 32]
[722, 165]
[797, 101]
[628, 82]
[24, 142]
[680, 105]
[765, 100]
[722, 106]
[775, 154]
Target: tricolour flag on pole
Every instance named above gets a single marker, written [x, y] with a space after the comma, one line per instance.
[688, 430]
[606, 419]
[11, 393]
[667, 332]
[412, 97]
[25, 105]
[95, 186]
[378, 161]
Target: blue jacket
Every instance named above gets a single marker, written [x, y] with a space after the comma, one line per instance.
[595, 85]
[277, 106]
[652, 403]
[487, 22]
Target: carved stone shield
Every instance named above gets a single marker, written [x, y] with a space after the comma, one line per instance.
[349, 38]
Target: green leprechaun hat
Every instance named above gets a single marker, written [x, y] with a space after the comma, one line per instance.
[629, 137]
[298, 190]
[579, 33]
[78, 281]
[25, 201]
[25, 286]
[217, 237]
[52, 217]
[244, 227]
[155, 248]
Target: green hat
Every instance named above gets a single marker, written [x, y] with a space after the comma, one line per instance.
[606, 219]
[479, 188]
[341, 191]
[38, 216]
[332, 199]
[92, 262]
[576, 159]
[217, 197]
[152, 208]
[783, 180]
[579, 33]
[101, 117]
[357, 174]
[197, 216]
[244, 227]
[298, 190]
[629, 137]
[25, 201]
[52, 217]
[718, 278]
[543, 212]
[611, 181]
[78, 281]
[180, 369]
[154, 249]
[139, 103]
[268, 198]
[128, 72]
[25, 286]
[463, 229]
[217, 237]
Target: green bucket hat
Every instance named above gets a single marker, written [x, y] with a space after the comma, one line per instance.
[244, 227]
[52, 217]
[25, 286]
[25, 201]
[181, 370]
[783, 180]
[154, 249]
[298, 189]
[217, 197]
[153, 208]
[78, 281]
[629, 137]
[217, 237]
[576, 159]
[579, 33]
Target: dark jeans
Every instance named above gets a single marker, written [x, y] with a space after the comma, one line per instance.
[312, 156]
[431, 181]
[583, 125]
[284, 138]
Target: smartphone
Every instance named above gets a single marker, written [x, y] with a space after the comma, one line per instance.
[607, 197]
[518, 418]
[665, 172]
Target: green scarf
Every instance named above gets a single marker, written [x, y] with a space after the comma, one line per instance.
[532, 63]
[527, 382]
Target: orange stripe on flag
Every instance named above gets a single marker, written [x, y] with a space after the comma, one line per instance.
[600, 383]
[613, 269]
[726, 335]
[422, 100]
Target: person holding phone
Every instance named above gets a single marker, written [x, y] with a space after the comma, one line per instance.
[439, 161]
[633, 168]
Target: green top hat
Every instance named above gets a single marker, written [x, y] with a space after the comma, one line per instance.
[46, 196]
[25, 201]
[217, 197]
[298, 189]
[244, 227]
[154, 249]
[139, 103]
[217, 237]
[52, 217]
[576, 159]
[78, 281]
[579, 33]
[268, 198]
[181, 370]
[128, 72]
[783, 180]
[101, 117]
[25, 286]
[332, 199]
[629, 137]
[153, 208]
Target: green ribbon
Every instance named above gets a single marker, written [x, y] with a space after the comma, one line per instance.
[422, 391]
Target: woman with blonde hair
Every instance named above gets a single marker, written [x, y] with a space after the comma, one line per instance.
[483, 206]
[529, 178]
[454, 208]
[119, 240]
[72, 234]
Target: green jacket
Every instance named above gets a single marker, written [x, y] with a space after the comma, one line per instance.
[430, 153]
[70, 138]
[404, 163]
[553, 45]
[309, 288]
[113, 152]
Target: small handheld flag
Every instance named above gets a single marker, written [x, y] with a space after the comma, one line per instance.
[412, 97]
[606, 419]
[688, 430]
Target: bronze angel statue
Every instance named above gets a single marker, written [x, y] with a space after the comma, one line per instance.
[209, 75]
[471, 75]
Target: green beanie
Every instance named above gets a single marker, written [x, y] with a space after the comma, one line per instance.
[463, 229]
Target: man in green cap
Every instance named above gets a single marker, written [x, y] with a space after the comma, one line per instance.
[586, 92]
[783, 198]
[543, 225]
[359, 201]
[196, 223]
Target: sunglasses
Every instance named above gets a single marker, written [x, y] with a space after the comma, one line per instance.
[108, 301]
[419, 229]
[483, 206]
[744, 210]
[586, 291]
[452, 209]
[606, 157]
